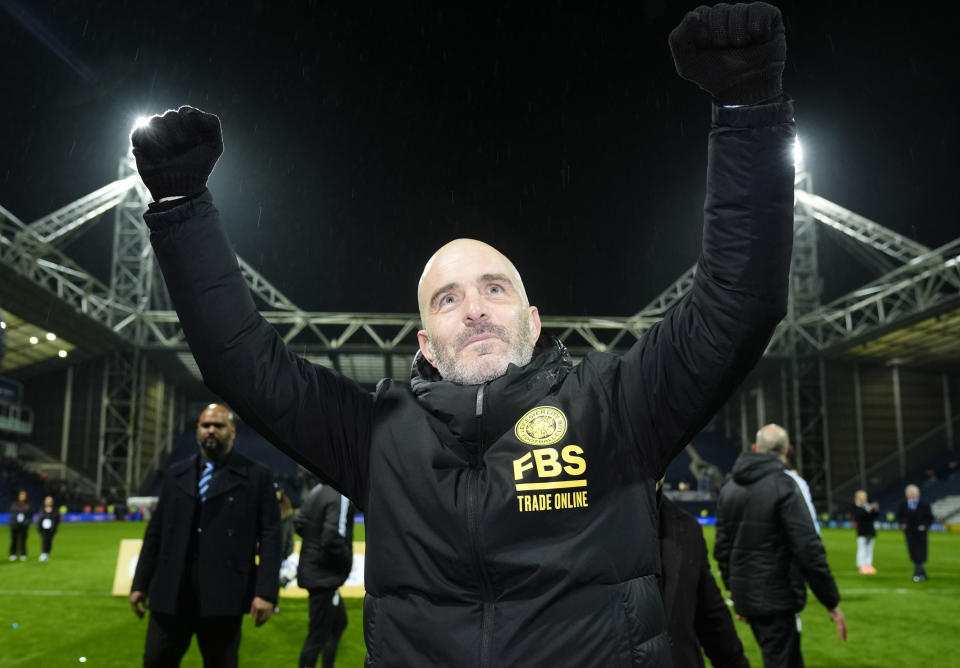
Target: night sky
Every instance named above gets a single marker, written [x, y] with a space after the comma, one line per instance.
[359, 140]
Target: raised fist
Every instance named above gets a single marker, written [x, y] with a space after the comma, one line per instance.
[176, 152]
[734, 52]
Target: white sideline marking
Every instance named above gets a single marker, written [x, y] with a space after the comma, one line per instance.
[51, 592]
[877, 590]
[901, 590]
[884, 590]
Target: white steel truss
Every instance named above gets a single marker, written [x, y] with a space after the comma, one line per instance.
[861, 229]
[927, 280]
[916, 280]
[45, 265]
[925, 285]
[62, 222]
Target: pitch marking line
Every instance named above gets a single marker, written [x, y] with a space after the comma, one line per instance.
[51, 592]
[902, 590]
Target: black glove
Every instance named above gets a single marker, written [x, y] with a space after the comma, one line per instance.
[176, 152]
[734, 52]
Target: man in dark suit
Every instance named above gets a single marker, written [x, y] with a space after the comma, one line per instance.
[696, 614]
[197, 571]
[915, 517]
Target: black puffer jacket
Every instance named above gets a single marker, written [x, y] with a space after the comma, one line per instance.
[766, 544]
[512, 523]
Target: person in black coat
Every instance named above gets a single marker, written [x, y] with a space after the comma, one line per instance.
[20, 517]
[325, 522]
[915, 517]
[696, 613]
[769, 550]
[47, 523]
[197, 569]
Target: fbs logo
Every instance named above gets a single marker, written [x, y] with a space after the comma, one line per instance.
[548, 478]
[544, 425]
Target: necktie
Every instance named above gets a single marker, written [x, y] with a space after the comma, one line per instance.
[205, 477]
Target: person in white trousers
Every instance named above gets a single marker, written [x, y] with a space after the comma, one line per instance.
[863, 516]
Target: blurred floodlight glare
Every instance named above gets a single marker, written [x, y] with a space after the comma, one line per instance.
[140, 122]
[797, 154]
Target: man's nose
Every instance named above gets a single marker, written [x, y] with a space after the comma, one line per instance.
[475, 308]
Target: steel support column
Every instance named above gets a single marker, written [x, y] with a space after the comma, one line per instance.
[947, 413]
[825, 431]
[858, 415]
[806, 368]
[743, 422]
[67, 410]
[761, 404]
[119, 406]
[898, 416]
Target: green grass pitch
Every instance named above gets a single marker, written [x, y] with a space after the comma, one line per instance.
[54, 613]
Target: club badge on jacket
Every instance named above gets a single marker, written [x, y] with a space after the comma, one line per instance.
[547, 477]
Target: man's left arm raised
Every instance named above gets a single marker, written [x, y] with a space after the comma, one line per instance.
[679, 374]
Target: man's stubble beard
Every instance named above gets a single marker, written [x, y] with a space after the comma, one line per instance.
[214, 448]
[485, 368]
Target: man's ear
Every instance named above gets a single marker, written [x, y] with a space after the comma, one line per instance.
[535, 325]
[424, 342]
[753, 447]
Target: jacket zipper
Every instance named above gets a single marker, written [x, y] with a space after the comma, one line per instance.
[473, 528]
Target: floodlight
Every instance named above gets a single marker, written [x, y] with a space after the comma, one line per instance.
[51, 336]
[797, 154]
[62, 353]
[140, 122]
[34, 340]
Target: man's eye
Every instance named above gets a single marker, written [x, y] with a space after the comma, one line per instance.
[447, 299]
[495, 289]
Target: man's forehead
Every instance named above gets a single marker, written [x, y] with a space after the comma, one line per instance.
[458, 251]
[464, 259]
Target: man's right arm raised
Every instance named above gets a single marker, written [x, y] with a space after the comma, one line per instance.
[317, 416]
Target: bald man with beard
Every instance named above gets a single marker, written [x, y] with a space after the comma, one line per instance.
[509, 496]
[476, 315]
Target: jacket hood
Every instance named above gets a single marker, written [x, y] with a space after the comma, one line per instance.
[478, 414]
[751, 466]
